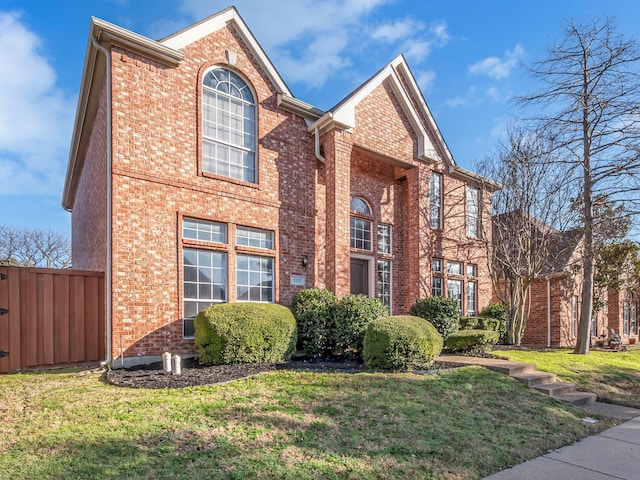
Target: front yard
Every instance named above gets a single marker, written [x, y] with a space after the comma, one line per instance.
[613, 376]
[459, 424]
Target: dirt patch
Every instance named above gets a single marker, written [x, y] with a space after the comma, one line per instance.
[194, 374]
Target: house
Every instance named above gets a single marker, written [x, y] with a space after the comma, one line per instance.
[196, 177]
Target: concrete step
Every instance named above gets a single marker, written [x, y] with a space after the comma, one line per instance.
[556, 389]
[578, 398]
[511, 369]
[535, 378]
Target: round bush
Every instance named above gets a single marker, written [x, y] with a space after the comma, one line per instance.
[245, 333]
[313, 309]
[352, 315]
[401, 342]
[464, 340]
[442, 312]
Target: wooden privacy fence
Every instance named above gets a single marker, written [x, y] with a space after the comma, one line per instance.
[50, 317]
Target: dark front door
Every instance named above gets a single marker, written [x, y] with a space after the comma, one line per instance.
[359, 276]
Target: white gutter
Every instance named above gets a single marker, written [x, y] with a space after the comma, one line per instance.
[548, 312]
[108, 273]
[318, 155]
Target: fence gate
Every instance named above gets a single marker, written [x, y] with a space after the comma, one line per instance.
[50, 317]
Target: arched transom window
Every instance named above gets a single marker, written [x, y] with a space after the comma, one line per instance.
[360, 227]
[228, 126]
[361, 206]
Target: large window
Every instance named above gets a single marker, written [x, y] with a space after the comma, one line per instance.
[228, 126]
[473, 212]
[574, 315]
[384, 238]
[435, 200]
[454, 290]
[625, 318]
[436, 287]
[205, 275]
[634, 319]
[472, 298]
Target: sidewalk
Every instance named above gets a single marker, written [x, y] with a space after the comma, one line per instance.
[611, 454]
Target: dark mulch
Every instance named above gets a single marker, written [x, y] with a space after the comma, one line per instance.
[194, 374]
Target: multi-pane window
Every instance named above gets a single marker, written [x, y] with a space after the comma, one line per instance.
[574, 315]
[254, 237]
[634, 319]
[436, 287]
[435, 200]
[204, 282]
[360, 227]
[625, 317]
[204, 230]
[473, 212]
[436, 265]
[472, 270]
[454, 290]
[254, 278]
[228, 126]
[384, 282]
[454, 268]
[472, 298]
[384, 238]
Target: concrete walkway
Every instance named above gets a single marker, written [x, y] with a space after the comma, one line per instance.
[611, 454]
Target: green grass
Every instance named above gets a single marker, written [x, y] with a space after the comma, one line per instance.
[460, 424]
[613, 376]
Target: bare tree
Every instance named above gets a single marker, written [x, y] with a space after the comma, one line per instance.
[34, 248]
[532, 199]
[589, 107]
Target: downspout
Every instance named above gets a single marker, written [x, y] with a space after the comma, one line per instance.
[108, 273]
[318, 155]
[548, 312]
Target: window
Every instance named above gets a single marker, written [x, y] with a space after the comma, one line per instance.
[436, 265]
[472, 270]
[384, 282]
[574, 315]
[204, 230]
[254, 237]
[625, 318]
[436, 287]
[472, 296]
[360, 233]
[360, 205]
[435, 200]
[454, 290]
[254, 278]
[473, 212]
[634, 319]
[384, 238]
[454, 268]
[228, 126]
[204, 283]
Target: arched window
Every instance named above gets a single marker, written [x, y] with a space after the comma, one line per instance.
[228, 126]
[360, 205]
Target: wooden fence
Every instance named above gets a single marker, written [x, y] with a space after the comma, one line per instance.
[50, 317]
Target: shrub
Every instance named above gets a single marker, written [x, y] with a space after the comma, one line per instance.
[442, 312]
[245, 333]
[464, 340]
[313, 309]
[401, 342]
[352, 315]
[468, 323]
[499, 312]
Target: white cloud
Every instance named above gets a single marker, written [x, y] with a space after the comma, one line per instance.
[496, 67]
[392, 32]
[425, 80]
[470, 98]
[35, 115]
[493, 93]
[438, 31]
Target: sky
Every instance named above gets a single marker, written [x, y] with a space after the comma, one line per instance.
[468, 57]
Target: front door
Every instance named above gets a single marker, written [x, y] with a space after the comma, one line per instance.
[359, 276]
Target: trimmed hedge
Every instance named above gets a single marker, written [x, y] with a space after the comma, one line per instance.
[352, 315]
[442, 312]
[245, 333]
[498, 312]
[314, 309]
[464, 340]
[469, 323]
[401, 342]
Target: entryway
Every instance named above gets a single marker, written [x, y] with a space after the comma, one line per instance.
[359, 276]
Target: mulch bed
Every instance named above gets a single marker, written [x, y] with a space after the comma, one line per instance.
[194, 374]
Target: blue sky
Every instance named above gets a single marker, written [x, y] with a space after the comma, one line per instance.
[467, 57]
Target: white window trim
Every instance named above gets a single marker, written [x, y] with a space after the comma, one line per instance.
[390, 282]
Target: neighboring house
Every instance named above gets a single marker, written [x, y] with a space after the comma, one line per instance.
[195, 177]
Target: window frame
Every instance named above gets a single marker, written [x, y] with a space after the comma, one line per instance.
[388, 235]
[472, 298]
[266, 244]
[460, 282]
[389, 285]
[249, 257]
[436, 201]
[473, 219]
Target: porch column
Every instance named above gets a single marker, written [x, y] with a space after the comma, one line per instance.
[337, 152]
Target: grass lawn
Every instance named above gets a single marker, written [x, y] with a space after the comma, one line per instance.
[613, 376]
[459, 424]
